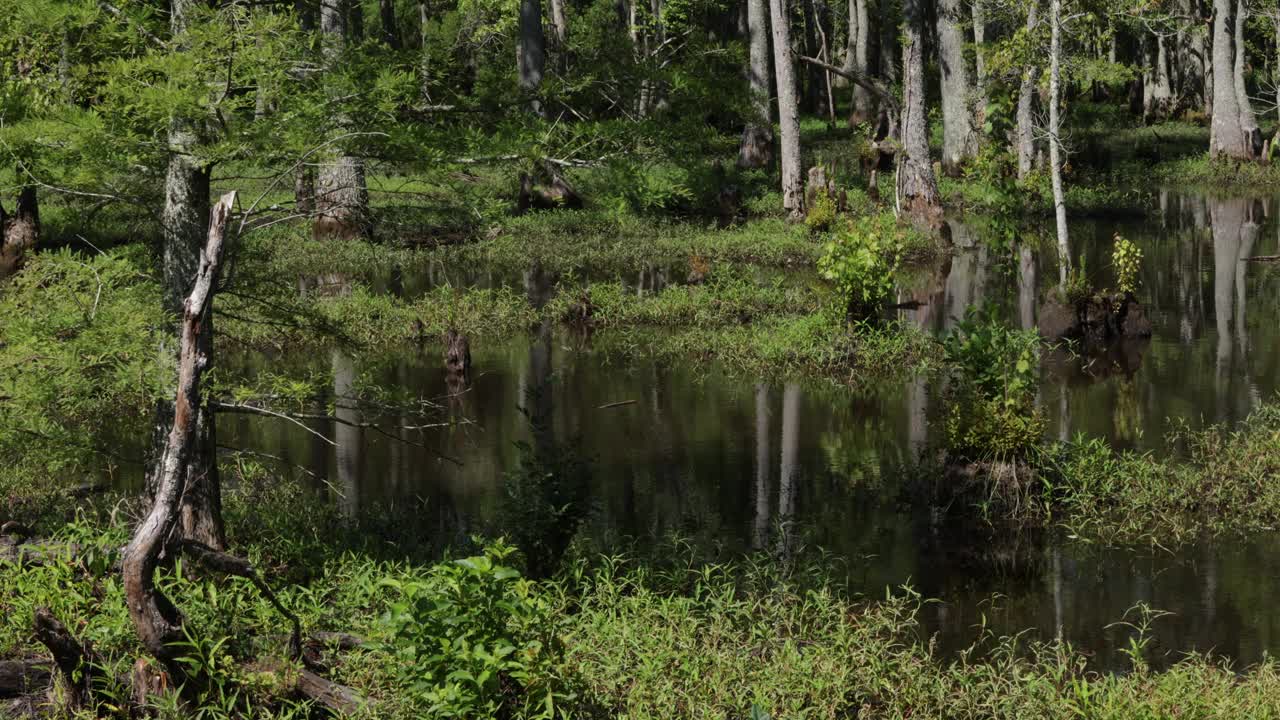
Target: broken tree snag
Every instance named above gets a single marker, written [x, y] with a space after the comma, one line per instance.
[19, 232]
[156, 620]
[75, 665]
[232, 565]
[546, 189]
[23, 677]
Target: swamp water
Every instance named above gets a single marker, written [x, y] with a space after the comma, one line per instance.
[742, 466]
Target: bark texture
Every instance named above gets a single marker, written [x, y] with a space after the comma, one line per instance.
[342, 198]
[756, 148]
[917, 188]
[1026, 141]
[156, 620]
[959, 126]
[531, 52]
[1233, 132]
[186, 219]
[788, 110]
[1055, 138]
[19, 232]
[390, 31]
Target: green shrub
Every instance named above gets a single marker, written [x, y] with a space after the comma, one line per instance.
[863, 262]
[1126, 258]
[992, 412]
[822, 215]
[472, 639]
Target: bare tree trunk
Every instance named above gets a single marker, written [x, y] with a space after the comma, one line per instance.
[157, 621]
[342, 198]
[390, 32]
[355, 18]
[756, 148]
[186, 219]
[19, 233]
[1026, 100]
[850, 62]
[863, 109]
[1232, 133]
[979, 11]
[917, 189]
[788, 110]
[1055, 137]
[1157, 90]
[424, 52]
[813, 98]
[889, 62]
[559, 23]
[959, 128]
[531, 52]
[1248, 122]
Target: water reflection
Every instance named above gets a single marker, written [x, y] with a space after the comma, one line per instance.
[673, 452]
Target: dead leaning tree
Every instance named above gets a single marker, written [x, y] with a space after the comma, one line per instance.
[156, 619]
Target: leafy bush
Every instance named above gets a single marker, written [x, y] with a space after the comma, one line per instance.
[1126, 258]
[822, 215]
[863, 262]
[993, 384]
[472, 639]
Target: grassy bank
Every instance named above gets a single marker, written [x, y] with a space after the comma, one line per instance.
[606, 638]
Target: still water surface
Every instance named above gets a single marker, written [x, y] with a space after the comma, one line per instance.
[751, 466]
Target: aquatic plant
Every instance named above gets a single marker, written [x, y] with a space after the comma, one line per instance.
[862, 261]
[1126, 258]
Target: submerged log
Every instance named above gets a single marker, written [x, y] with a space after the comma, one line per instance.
[548, 191]
[1096, 320]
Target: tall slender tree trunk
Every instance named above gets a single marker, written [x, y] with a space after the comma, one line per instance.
[788, 110]
[849, 63]
[531, 52]
[756, 148]
[889, 62]
[813, 97]
[1248, 121]
[917, 188]
[390, 31]
[1055, 137]
[1233, 131]
[1026, 139]
[959, 127]
[979, 10]
[559, 23]
[355, 18]
[185, 220]
[424, 52]
[19, 233]
[863, 108]
[342, 199]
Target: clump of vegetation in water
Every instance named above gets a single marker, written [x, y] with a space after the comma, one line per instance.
[991, 411]
[1126, 258]
[862, 262]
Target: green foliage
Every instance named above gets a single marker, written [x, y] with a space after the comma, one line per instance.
[822, 214]
[472, 639]
[862, 261]
[991, 409]
[1126, 258]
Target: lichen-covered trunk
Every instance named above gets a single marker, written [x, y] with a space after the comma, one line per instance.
[559, 23]
[756, 148]
[1055, 137]
[1026, 139]
[1157, 90]
[863, 105]
[1248, 122]
[185, 221]
[341, 198]
[19, 232]
[156, 620]
[424, 52]
[979, 12]
[959, 127]
[917, 188]
[531, 52]
[1233, 131]
[788, 110]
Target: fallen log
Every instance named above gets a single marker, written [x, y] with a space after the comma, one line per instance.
[1262, 258]
[232, 565]
[23, 677]
[338, 698]
[75, 665]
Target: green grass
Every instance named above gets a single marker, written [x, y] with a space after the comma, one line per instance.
[748, 638]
